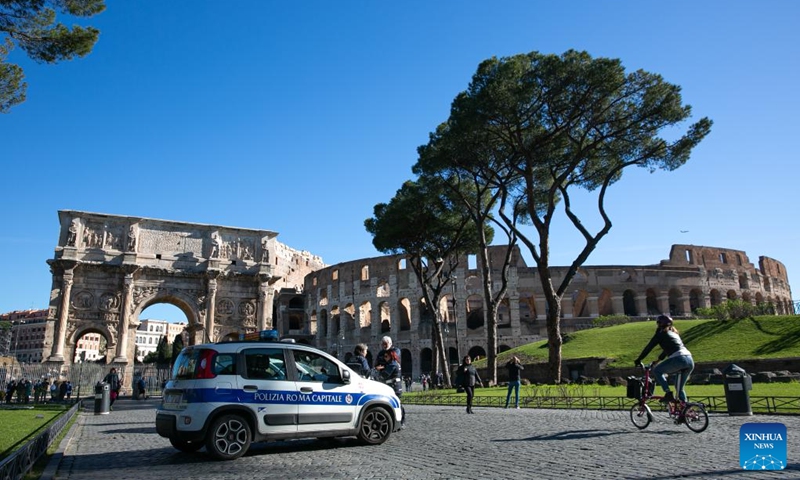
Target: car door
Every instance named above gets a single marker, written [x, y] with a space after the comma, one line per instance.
[325, 401]
[270, 391]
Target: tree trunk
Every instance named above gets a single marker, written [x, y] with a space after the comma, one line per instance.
[554, 338]
[439, 353]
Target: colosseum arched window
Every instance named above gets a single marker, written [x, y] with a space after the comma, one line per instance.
[474, 312]
[386, 317]
[695, 299]
[404, 310]
[629, 303]
[675, 302]
[652, 302]
[425, 360]
[732, 295]
[579, 304]
[604, 306]
[716, 297]
[527, 308]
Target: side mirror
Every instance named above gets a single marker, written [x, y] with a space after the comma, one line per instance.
[346, 376]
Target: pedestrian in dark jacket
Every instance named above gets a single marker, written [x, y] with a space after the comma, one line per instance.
[514, 368]
[469, 378]
[114, 384]
[360, 360]
[390, 374]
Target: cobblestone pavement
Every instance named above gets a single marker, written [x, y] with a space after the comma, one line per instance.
[439, 443]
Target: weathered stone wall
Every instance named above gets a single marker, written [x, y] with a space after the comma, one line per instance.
[692, 277]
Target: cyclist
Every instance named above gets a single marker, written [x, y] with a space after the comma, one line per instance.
[678, 358]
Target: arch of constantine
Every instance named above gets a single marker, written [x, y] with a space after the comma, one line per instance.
[107, 269]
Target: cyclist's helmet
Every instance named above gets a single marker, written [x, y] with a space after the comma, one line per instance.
[664, 321]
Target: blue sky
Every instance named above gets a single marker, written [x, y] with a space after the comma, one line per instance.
[298, 117]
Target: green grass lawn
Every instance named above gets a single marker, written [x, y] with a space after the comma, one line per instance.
[22, 424]
[708, 340]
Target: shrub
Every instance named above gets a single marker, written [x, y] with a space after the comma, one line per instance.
[610, 320]
[736, 310]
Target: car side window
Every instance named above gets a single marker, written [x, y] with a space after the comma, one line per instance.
[265, 364]
[225, 364]
[312, 367]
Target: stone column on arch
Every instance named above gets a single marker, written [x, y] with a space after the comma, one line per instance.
[617, 305]
[124, 315]
[567, 306]
[686, 305]
[263, 308]
[68, 276]
[663, 304]
[513, 314]
[211, 304]
[593, 306]
[706, 300]
[641, 305]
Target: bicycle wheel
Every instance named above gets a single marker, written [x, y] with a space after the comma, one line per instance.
[641, 416]
[695, 416]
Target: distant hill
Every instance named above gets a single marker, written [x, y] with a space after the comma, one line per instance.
[708, 340]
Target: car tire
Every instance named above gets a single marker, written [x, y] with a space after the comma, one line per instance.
[375, 426]
[228, 438]
[184, 446]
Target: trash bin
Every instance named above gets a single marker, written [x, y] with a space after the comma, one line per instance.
[102, 398]
[737, 390]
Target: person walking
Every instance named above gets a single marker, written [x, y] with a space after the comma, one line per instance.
[114, 385]
[514, 368]
[141, 388]
[469, 377]
[389, 372]
[678, 359]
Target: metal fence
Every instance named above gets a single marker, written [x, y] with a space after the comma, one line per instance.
[16, 465]
[716, 404]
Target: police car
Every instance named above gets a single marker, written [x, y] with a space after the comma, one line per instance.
[224, 396]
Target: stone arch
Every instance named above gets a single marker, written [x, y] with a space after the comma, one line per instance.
[504, 314]
[675, 302]
[715, 297]
[527, 308]
[386, 318]
[477, 352]
[350, 317]
[78, 333]
[425, 360]
[475, 318]
[404, 309]
[695, 299]
[406, 362]
[629, 303]
[452, 355]
[652, 302]
[746, 296]
[759, 298]
[732, 295]
[107, 269]
[604, 304]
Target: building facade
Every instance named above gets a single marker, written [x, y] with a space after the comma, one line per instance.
[28, 329]
[360, 301]
[151, 331]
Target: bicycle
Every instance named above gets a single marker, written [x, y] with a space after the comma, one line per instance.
[692, 414]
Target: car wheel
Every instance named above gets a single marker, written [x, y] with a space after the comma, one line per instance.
[375, 426]
[184, 446]
[228, 438]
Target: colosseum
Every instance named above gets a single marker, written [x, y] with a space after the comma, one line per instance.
[360, 301]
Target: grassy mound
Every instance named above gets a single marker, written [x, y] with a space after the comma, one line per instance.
[708, 340]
